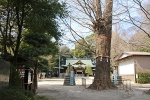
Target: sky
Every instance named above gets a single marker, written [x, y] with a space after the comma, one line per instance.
[119, 7]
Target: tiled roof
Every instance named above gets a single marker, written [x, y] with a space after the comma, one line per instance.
[129, 54]
[84, 61]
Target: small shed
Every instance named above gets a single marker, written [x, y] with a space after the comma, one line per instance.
[130, 63]
[26, 73]
[26, 77]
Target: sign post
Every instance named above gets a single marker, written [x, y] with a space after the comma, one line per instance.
[115, 77]
[72, 78]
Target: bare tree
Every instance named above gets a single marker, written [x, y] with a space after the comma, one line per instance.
[138, 14]
[138, 18]
[97, 16]
[140, 41]
[118, 46]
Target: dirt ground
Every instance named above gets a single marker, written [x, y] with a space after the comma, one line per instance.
[53, 88]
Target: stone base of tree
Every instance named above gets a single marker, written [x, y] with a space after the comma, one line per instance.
[147, 92]
[102, 85]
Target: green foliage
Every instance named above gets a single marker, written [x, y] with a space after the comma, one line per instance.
[145, 49]
[34, 15]
[42, 98]
[37, 44]
[39, 18]
[52, 62]
[78, 52]
[43, 20]
[84, 48]
[143, 78]
[88, 70]
[16, 93]
[43, 62]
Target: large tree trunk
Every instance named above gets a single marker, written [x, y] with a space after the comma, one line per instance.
[102, 30]
[20, 14]
[35, 83]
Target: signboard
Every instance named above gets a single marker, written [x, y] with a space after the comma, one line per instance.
[71, 77]
[71, 73]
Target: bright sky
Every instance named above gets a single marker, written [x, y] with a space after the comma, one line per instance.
[119, 7]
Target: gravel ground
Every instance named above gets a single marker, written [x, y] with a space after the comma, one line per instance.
[53, 88]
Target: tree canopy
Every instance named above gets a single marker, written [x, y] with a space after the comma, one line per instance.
[27, 27]
[84, 48]
[34, 15]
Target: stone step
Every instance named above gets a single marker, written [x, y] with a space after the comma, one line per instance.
[69, 80]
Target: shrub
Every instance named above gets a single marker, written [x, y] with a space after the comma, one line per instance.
[143, 78]
[41, 98]
[88, 70]
[18, 93]
[15, 93]
[11, 94]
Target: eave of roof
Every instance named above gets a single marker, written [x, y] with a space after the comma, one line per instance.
[124, 58]
[138, 53]
[131, 54]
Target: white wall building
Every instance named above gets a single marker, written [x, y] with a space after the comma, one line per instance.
[130, 63]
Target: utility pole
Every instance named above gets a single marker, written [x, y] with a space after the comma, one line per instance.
[59, 64]
[60, 44]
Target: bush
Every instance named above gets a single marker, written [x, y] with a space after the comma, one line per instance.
[15, 93]
[18, 93]
[88, 70]
[11, 94]
[41, 98]
[143, 78]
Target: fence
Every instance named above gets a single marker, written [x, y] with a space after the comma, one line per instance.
[125, 84]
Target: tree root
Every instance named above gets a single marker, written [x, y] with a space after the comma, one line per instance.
[102, 86]
[147, 92]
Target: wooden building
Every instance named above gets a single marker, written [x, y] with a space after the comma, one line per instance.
[79, 65]
[130, 63]
[26, 73]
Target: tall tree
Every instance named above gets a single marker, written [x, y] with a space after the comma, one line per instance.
[64, 51]
[34, 15]
[30, 14]
[100, 23]
[119, 45]
[140, 42]
[36, 45]
[142, 11]
[102, 28]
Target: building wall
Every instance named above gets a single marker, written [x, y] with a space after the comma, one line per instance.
[126, 69]
[4, 80]
[142, 63]
[4, 73]
[130, 77]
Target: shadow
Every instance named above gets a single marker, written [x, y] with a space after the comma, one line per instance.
[42, 80]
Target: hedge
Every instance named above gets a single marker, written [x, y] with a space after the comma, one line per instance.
[143, 78]
[17, 93]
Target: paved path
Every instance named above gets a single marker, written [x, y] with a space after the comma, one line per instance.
[54, 89]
